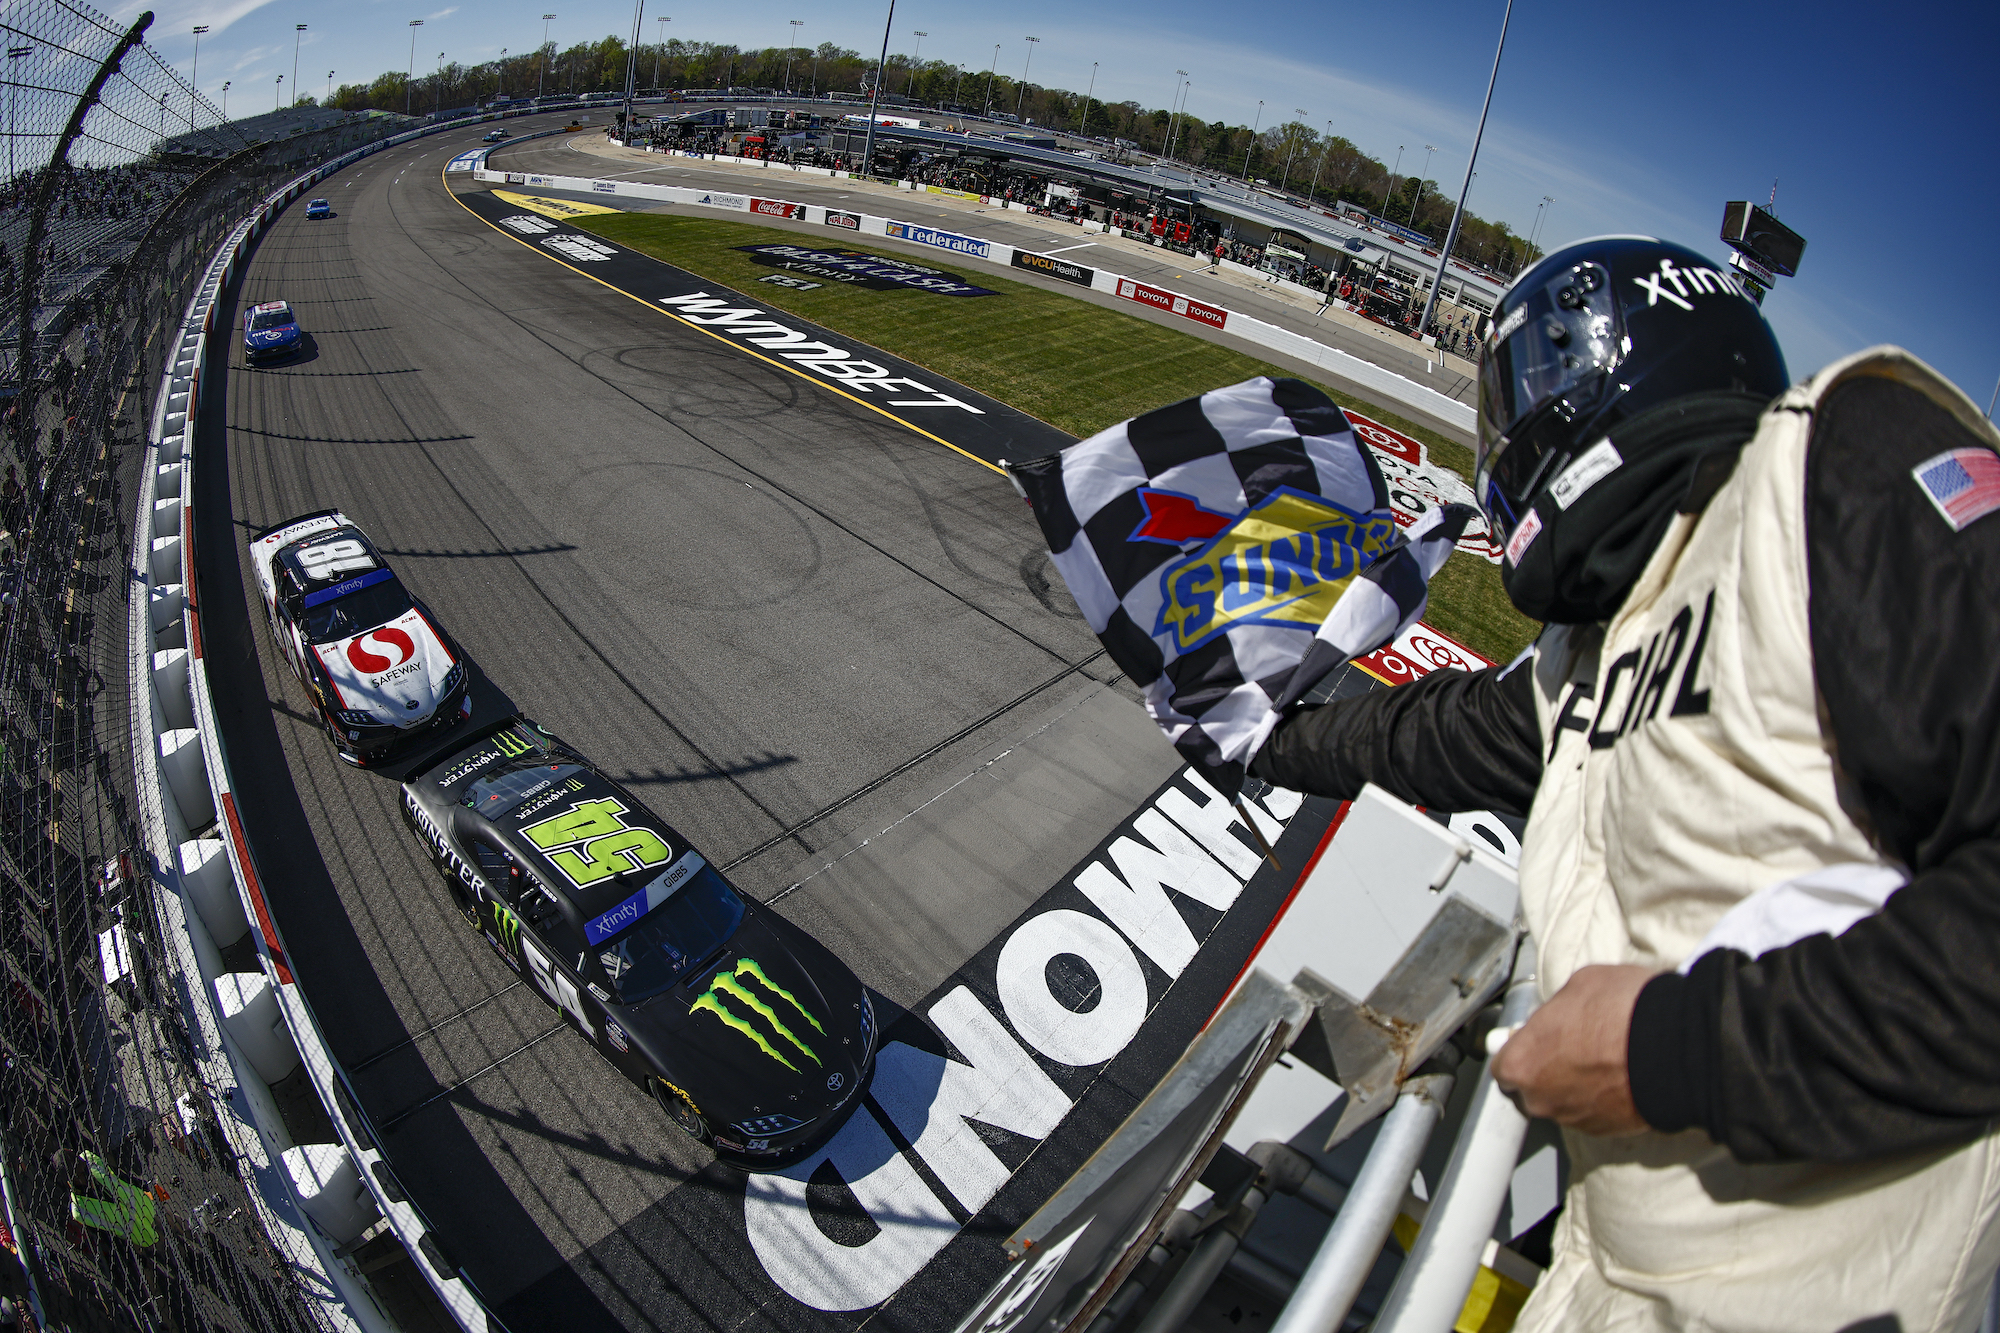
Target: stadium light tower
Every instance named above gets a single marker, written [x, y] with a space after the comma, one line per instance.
[1325, 143]
[539, 78]
[298, 35]
[1247, 148]
[789, 52]
[1428, 150]
[194, 92]
[1022, 100]
[278, 94]
[1082, 132]
[409, 76]
[911, 86]
[989, 82]
[1458, 213]
[329, 87]
[225, 99]
[659, 49]
[875, 93]
[1285, 184]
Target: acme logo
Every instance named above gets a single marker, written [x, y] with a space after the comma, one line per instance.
[1285, 562]
[724, 988]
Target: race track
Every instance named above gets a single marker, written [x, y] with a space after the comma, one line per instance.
[824, 647]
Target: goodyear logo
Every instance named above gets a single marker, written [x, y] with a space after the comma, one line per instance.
[726, 995]
[1284, 562]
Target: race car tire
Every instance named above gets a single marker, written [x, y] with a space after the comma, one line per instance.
[681, 1111]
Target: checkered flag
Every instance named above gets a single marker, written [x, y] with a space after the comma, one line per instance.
[1230, 551]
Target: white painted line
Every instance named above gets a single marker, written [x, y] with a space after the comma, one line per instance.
[1085, 246]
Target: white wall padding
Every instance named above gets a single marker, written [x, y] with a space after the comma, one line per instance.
[248, 1008]
[166, 559]
[168, 602]
[167, 517]
[330, 1189]
[167, 481]
[186, 773]
[209, 885]
[170, 682]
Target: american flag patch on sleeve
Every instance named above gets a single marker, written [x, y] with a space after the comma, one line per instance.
[1964, 484]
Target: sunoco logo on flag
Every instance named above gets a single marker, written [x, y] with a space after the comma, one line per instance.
[1229, 551]
[727, 996]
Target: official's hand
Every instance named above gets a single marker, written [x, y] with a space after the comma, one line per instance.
[1567, 1062]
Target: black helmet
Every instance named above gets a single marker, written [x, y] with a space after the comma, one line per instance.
[1582, 345]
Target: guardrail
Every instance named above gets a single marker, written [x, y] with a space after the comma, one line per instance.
[1369, 376]
[319, 1200]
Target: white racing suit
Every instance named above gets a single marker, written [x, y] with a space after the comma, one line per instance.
[1804, 684]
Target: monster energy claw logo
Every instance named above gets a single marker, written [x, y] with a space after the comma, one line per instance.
[724, 986]
[512, 744]
[510, 927]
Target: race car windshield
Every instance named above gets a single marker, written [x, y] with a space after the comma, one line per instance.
[502, 794]
[346, 616]
[270, 319]
[673, 939]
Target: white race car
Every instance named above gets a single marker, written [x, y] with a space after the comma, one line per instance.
[380, 672]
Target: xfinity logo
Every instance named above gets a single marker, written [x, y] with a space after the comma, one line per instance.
[1685, 282]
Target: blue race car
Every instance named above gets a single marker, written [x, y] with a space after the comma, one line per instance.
[319, 208]
[270, 330]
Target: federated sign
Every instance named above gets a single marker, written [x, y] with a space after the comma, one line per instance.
[943, 240]
[1051, 267]
[857, 268]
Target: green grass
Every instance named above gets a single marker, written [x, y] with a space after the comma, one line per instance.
[1070, 363]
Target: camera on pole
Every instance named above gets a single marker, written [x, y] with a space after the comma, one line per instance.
[1765, 248]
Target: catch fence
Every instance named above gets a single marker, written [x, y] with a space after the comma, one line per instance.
[126, 1204]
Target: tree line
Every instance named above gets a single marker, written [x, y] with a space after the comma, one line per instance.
[1325, 167]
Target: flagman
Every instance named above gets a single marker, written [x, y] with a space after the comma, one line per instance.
[1758, 750]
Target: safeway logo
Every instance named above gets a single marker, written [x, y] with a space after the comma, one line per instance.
[388, 636]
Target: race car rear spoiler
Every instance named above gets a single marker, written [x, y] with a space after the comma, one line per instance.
[293, 521]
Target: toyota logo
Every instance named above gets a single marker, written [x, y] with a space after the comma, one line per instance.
[833, 1082]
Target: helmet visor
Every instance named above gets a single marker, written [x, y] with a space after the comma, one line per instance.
[1554, 344]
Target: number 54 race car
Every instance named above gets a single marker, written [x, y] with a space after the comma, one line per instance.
[377, 668]
[749, 1033]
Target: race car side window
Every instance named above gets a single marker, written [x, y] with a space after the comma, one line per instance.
[499, 870]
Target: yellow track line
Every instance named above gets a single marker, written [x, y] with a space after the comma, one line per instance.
[758, 356]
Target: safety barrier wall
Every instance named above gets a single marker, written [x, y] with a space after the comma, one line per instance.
[319, 1201]
[1365, 374]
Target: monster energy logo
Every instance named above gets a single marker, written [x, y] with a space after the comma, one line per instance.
[725, 985]
[512, 744]
[510, 926]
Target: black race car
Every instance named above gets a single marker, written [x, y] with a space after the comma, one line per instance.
[747, 1031]
[380, 672]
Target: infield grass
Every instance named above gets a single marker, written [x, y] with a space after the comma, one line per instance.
[1073, 364]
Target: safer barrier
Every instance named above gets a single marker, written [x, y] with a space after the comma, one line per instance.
[320, 1201]
[1369, 376]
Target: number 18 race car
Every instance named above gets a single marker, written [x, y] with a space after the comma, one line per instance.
[749, 1033]
[378, 669]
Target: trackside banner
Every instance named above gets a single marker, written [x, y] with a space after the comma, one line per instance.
[1049, 266]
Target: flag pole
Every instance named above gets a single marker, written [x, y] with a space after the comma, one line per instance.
[1258, 834]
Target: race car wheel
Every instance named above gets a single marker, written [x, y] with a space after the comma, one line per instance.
[680, 1110]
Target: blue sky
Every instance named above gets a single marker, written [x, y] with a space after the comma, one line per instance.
[1880, 134]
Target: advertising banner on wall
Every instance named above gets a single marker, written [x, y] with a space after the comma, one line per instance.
[858, 268]
[1173, 303]
[1417, 484]
[777, 208]
[1051, 267]
[836, 218]
[943, 240]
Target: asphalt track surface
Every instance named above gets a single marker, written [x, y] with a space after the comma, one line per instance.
[748, 599]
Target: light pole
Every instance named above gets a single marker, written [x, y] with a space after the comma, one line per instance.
[1022, 100]
[632, 64]
[875, 93]
[278, 95]
[911, 87]
[195, 91]
[659, 50]
[13, 53]
[1419, 198]
[1390, 193]
[1173, 109]
[1252, 144]
[298, 35]
[539, 78]
[1086, 102]
[500, 76]
[989, 82]
[437, 88]
[790, 51]
[410, 75]
[1451, 237]
[1326, 143]
[1285, 183]
[329, 87]
[225, 99]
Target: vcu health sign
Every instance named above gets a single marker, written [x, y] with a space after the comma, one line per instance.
[1050, 267]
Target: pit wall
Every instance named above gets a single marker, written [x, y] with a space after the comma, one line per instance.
[319, 1202]
[1371, 378]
